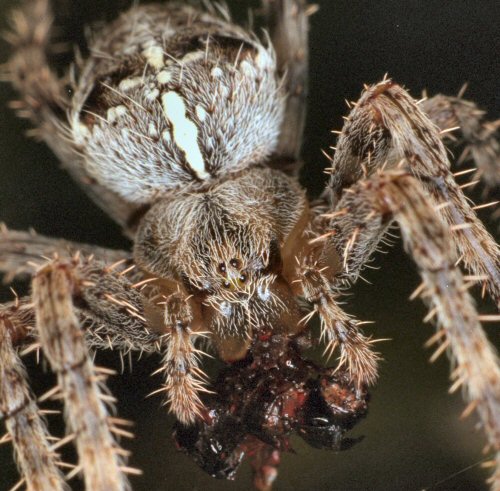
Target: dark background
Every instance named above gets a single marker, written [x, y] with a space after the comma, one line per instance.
[414, 439]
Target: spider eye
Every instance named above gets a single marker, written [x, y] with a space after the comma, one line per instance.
[222, 267]
[227, 284]
[242, 278]
[234, 263]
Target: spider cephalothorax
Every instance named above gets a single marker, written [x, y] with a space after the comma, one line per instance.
[225, 246]
[186, 129]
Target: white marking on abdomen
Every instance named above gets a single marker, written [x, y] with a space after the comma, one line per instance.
[114, 113]
[201, 113]
[164, 77]
[129, 83]
[184, 132]
[154, 56]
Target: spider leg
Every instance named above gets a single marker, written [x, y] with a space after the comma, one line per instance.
[62, 340]
[113, 312]
[43, 98]
[27, 429]
[289, 26]
[398, 195]
[79, 303]
[480, 137]
[337, 327]
[117, 314]
[386, 128]
[45, 101]
[183, 379]
[17, 249]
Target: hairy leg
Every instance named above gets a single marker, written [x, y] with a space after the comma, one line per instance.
[63, 343]
[44, 99]
[387, 129]
[289, 26]
[184, 380]
[19, 249]
[338, 329]
[136, 317]
[481, 137]
[386, 196]
[26, 428]
[117, 314]
[76, 303]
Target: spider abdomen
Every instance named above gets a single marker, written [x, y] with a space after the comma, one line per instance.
[174, 103]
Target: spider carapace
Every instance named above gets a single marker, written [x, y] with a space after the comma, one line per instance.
[186, 129]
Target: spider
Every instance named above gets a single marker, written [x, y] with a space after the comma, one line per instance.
[360, 372]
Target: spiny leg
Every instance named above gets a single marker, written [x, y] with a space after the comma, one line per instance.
[183, 379]
[63, 343]
[43, 98]
[337, 327]
[128, 317]
[289, 26]
[18, 249]
[110, 310]
[387, 128]
[480, 136]
[26, 428]
[116, 314]
[400, 196]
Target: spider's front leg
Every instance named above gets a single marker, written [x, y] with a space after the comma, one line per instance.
[400, 196]
[63, 341]
[184, 379]
[386, 129]
[337, 327]
[76, 303]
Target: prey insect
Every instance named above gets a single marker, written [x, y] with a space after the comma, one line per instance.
[186, 129]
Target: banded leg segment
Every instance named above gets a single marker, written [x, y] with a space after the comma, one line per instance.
[43, 97]
[338, 329]
[481, 137]
[17, 249]
[387, 128]
[400, 196]
[63, 343]
[184, 380]
[289, 26]
[23, 420]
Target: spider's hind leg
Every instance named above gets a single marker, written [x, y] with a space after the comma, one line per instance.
[480, 137]
[19, 250]
[289, 24]
[42, 93]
